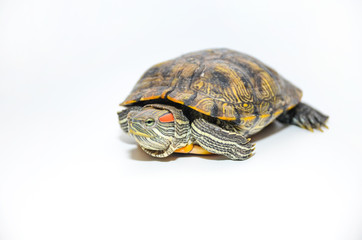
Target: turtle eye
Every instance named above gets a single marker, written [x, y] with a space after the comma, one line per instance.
[149, 122]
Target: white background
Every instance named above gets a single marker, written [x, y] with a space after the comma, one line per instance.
[68, 172]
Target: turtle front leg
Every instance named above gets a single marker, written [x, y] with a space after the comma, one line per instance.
[123, 117]
[305, 117]
[220, 141]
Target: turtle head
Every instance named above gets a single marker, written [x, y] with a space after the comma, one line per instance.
[152, 128]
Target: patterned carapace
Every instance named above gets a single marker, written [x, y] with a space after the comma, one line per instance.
[220, 83]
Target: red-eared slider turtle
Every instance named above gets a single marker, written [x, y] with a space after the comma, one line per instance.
[211, 101]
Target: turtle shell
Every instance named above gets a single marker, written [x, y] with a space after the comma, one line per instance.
[221, 83]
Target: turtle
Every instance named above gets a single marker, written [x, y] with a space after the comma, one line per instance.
[211, 102]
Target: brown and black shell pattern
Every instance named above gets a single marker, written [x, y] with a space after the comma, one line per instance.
[220, 83]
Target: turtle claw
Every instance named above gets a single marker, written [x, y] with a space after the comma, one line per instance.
[298, 123]
[250, 155]
[305, 117]
[245, 157]
[309, 127]
[320, 129]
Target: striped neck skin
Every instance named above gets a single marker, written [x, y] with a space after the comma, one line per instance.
[152, 128]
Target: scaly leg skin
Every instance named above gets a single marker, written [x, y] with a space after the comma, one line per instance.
[305, 117]
[219, 141]
[123, 117]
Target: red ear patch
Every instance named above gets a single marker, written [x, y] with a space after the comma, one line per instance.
[168, 117]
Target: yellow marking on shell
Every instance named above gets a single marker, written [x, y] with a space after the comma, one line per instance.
[263, 121]
[149, 98]
[290, 107]
[175, 100]
[264, 107]
[252, 65]
[127, 102]
[237, 86]
[208, 113]
[188, 70]
[205, 104]
[249, 118]
[200, 110]
[228, 110]
[264, 115]
[268, 89]
[179, 69]
[278, 112]
[227, 118]
[245, 105]
[163, 94]
[198, 85]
